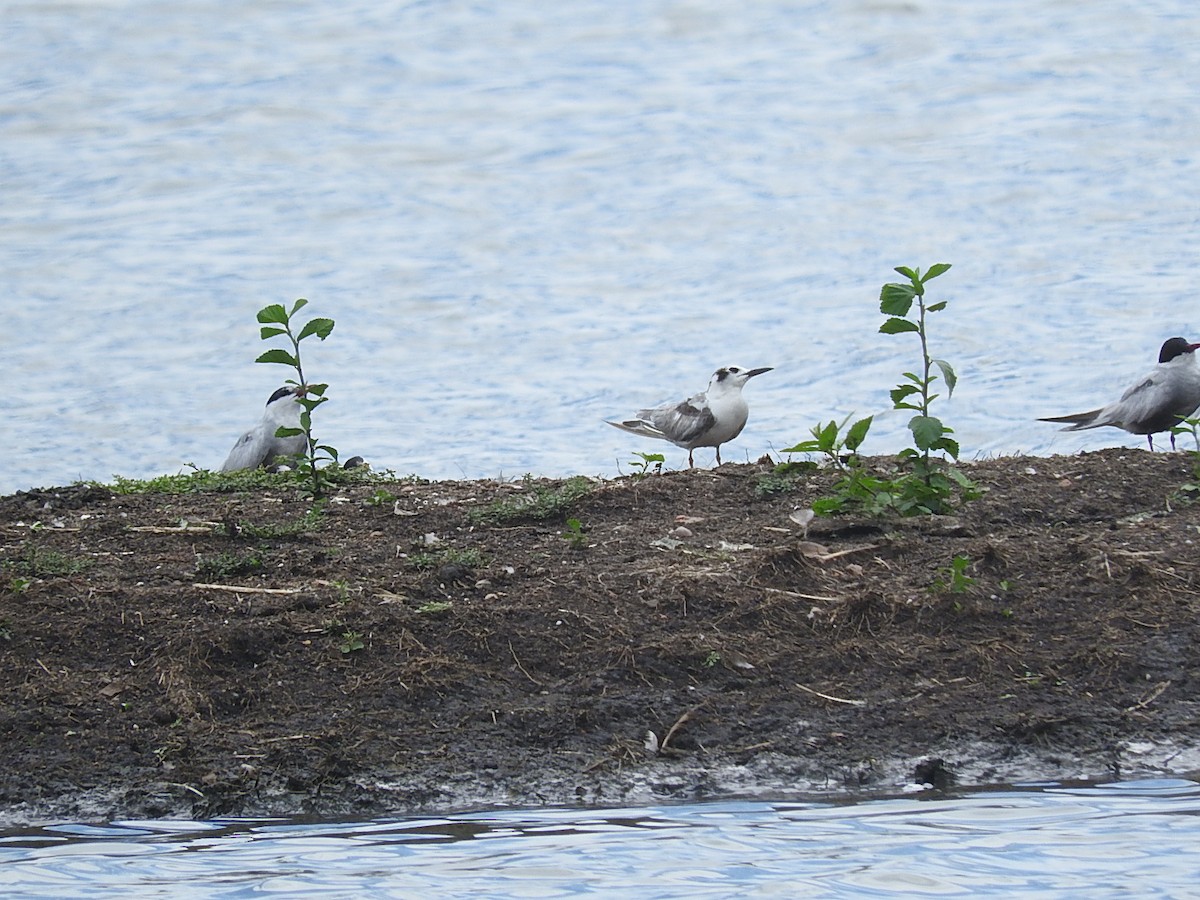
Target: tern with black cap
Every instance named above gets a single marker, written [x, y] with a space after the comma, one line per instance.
[1157, 402]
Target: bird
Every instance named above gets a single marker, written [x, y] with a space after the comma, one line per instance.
[707, 419]
[259, 446]
[1158, 401]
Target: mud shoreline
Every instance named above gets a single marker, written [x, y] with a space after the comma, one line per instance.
[418, 647]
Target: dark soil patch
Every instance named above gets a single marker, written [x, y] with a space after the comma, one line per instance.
[423, 654]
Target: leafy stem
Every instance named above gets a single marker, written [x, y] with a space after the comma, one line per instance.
[276, 321]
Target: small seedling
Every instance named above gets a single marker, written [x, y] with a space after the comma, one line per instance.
[382, 497]
[352, 642]
[712, 659]
[642, 464]
[574, 535]
[537, 503]
[19, 585]
[277, 321]
[433, 607]
[954, 578]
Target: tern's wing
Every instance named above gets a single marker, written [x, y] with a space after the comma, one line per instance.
[247, 453]
[681, 422]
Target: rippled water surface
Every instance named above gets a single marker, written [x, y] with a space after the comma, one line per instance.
[528, 217]
[1117, 840]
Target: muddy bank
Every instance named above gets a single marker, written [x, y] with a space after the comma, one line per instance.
[428, 646]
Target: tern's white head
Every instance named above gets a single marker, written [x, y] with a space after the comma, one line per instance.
[728, 379]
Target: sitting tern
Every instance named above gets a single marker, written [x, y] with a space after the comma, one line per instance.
[707, 419]
[1158, 401]
[259, 446]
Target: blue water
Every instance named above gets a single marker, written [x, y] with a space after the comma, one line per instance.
[528, 217]
[1116, 840]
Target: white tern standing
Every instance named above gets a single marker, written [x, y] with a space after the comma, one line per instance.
[708, 419]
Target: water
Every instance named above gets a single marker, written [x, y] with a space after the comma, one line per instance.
[1114, 840]
[526, 218]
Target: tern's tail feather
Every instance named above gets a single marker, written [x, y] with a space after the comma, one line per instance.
[640, 427]
[1078, 421]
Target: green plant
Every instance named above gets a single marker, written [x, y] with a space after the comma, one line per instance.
[839, 445]
[228, 564]
[712, 659]
[433, 607]
[352, 642]
[574, 535]
[42, 562]
[953, 578]
[915, 392]
[537, 503]
[381, 497]
[424, 561]
[641, 465]
[19, 585]
[277, 321]
[306, 524]
[927, 485]
[783, 478]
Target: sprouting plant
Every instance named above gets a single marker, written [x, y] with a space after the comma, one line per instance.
[381, 497]
[352, 642]
[434, 607]
[915, 393]
[574, 535]
[953, 578]
[642, 464]
[276, 321]
[537, 503]
[927, 486]
[711, 659]
[840, 448]
[19, 585]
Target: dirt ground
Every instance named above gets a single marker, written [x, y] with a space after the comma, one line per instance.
[422, 647]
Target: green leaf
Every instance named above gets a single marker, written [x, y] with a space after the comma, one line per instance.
[914, 378]
[267, 333]
[926, 430]
[937, 307]
[317, 390]
[896, 299]
[273, 313]
[827, 437]
[802, 447]
[858, 433]
[319, 327]
[826, 506]
[332, 451]
[913, 406]
[950, 445]
[935, 271]
[297, 306]
[284, 431]
[277, 356]
[897, 326]
[902, 391]
[948, 374]
[907, 273]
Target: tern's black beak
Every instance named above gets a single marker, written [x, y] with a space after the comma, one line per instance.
[754, 372]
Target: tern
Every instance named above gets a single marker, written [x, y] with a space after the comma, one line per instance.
[1158, 401]
[259, 446]
[707, 419]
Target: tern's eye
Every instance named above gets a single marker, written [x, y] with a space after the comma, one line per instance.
[733, 370]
